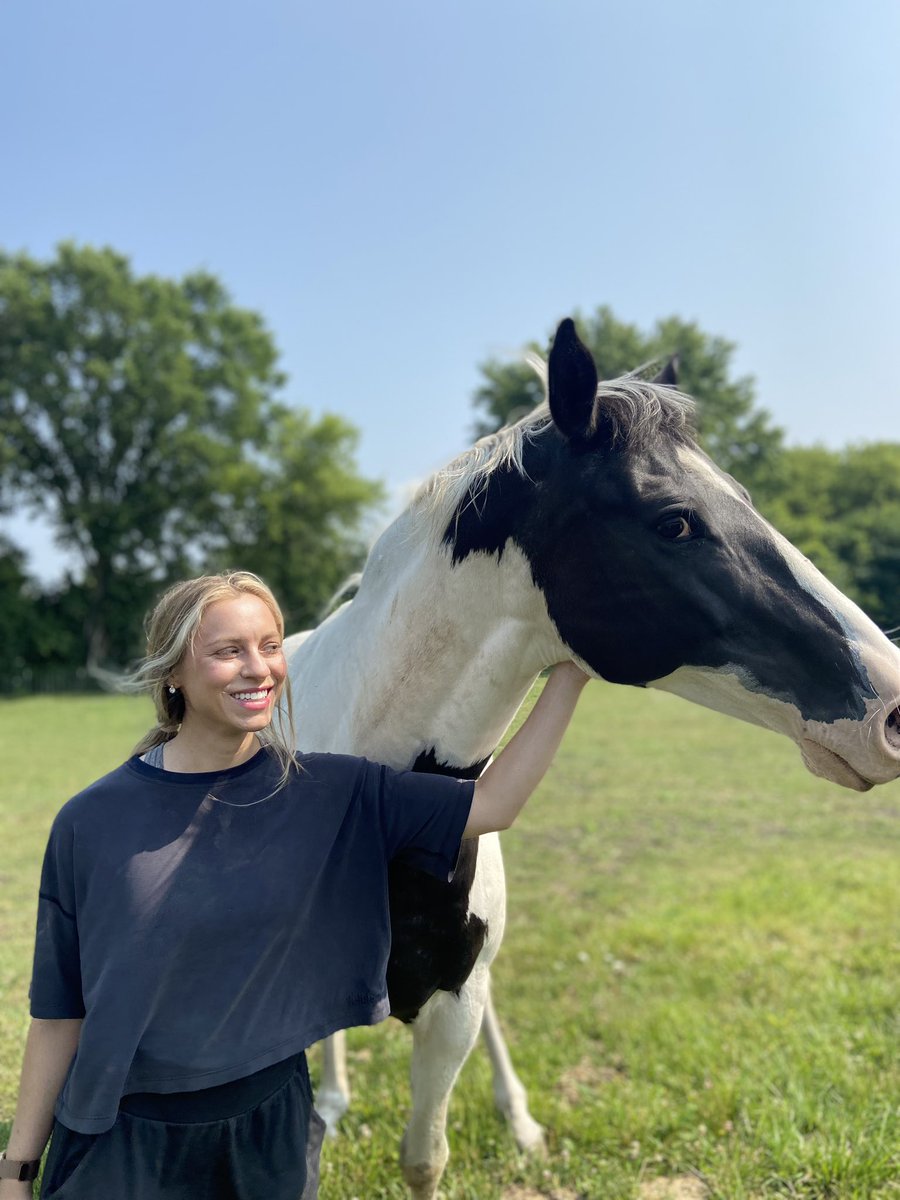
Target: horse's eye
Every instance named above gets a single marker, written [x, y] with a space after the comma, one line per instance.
[675, 529]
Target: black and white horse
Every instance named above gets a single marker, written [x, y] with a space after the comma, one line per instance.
[594, 529]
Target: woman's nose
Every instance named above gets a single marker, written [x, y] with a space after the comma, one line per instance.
[255, 665]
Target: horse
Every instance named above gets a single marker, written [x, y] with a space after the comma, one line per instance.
[593, 529]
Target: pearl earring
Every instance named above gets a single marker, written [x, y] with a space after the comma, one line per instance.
[171, 690]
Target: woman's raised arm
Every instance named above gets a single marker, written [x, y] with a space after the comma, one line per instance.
[502, 790]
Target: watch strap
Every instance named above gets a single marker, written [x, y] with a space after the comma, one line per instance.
[24, 1172]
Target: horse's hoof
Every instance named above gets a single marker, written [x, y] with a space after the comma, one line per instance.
[529, 1136]
[331, 1106]
[422, 1180]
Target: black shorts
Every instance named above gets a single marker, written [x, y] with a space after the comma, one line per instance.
[185, 1147]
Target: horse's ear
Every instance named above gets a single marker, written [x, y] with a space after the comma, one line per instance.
[571, 383]
[669, 374]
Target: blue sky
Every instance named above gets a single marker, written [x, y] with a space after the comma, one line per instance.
[404, 189]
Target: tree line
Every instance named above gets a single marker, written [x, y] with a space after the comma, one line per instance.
[145, 418]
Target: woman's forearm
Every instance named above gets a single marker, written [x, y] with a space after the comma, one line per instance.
[502, 790]
[49, 1050]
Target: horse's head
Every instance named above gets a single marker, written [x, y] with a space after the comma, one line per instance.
[657, 570]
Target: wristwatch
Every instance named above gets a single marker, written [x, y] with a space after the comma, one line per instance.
[24, 1172]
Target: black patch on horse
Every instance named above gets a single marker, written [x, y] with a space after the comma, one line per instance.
[485, 521]
[435, 941]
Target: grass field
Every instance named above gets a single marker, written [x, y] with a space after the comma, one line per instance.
[698, 981]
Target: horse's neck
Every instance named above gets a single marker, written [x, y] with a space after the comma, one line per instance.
[428, 656]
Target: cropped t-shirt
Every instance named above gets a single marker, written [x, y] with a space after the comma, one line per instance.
[206, 925]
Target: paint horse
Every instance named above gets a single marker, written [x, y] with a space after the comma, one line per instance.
[594, 529]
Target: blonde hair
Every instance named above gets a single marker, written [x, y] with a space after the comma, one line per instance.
[171, 628]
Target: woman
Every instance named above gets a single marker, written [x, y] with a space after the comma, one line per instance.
[215, 905]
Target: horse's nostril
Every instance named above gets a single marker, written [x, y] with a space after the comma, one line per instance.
[892, 729]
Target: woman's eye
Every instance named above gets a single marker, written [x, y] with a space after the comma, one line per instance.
[272, 647]
[675, 529]
[227, 652]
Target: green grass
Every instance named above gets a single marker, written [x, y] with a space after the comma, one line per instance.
[698, 978]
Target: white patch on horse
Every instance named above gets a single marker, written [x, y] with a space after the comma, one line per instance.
[427, 656]
[699, 464]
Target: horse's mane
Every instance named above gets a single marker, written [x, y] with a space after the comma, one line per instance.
[635, 410]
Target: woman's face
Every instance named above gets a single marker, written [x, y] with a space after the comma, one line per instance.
[234, 674]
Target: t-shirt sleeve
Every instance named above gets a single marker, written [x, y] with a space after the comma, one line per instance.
[423, 816]
[55, 991]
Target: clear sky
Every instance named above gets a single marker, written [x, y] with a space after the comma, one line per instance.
[405, 188]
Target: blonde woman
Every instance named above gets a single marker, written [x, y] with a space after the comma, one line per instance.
[215, 905]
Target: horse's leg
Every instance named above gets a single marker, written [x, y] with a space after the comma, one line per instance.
[333, 1093]
[443, 1034]
[509, 1091]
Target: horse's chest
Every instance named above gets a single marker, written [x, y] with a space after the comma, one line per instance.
[435, 940]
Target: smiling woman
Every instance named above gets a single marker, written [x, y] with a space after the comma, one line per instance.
[215, 669]
[231, 680]
[191, 904]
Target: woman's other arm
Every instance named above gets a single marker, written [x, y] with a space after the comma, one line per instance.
[502, 790]
[49, 1049]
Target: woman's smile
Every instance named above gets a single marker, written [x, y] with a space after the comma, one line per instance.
[255, 700]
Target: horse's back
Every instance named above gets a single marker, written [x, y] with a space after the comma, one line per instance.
[326, 675]
[293, 643]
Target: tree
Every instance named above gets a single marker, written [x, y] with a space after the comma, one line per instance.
[842, 509]
[738, 435]
[141, 415]
[298, 523]
[17, 614]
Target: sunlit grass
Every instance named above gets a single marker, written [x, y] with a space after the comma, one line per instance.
[699, 974]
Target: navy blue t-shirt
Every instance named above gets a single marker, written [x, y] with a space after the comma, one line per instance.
[206, 925]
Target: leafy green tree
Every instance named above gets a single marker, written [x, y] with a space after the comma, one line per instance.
[38, 627]
[140, 414]
[842, 508]
[738, 434]
[18, 620]
[296, 523]
[61, 620]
